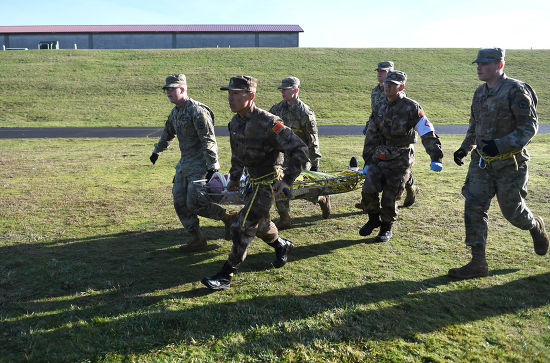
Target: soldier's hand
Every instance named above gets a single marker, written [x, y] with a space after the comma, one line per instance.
[233, 185]
[314, 168]
[365, 169]
[436, 166]
[490, 148]
[154, 157]
[281, 189]
[365, 130]
[209, 174]
[459, 155]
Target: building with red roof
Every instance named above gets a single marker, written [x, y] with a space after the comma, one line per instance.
[149, 36]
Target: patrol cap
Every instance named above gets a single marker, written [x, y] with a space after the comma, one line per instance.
[489, 55]
[397, 77]
[175, 81]
[384, 66]
[290, 82]
[243, 83]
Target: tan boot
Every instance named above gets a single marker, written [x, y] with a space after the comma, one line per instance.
[412, 191]
[284, 221]
[228, 219]
[477, 267]
[540, 237]
[198, 243]
[324, 202]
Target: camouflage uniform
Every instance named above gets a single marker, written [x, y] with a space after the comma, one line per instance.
[389, 154]
[506, 114]
[257, 142]
[193, 123]
[301, 119]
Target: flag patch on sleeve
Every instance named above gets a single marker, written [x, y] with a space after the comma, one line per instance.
[278, 127]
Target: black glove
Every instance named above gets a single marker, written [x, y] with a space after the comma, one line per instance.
[209, 174]
[154, 157]
[314, 168]
[459, 155]
[491, 148]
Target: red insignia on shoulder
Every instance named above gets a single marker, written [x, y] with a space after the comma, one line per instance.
[421, 112]
[278, 126]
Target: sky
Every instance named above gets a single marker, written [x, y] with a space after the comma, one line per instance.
[507, 24]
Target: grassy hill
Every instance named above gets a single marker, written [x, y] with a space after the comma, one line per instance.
[123, 87]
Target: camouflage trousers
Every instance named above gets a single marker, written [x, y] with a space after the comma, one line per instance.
[388, 178]
[510, 187]
[190, 203]
[257, 223]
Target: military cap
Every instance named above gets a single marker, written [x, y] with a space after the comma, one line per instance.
[384, 66]
[290, 82]
[244, 83]
[489, 55]
[175, 81]
[396, 77]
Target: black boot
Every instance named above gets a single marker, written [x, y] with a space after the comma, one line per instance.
[222, 279]
[282, 249]
[374, 222]
[385, 232]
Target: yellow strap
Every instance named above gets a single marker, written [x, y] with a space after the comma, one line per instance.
[489, 159]
[267, 179]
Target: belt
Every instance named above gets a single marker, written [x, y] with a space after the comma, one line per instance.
[489, 159]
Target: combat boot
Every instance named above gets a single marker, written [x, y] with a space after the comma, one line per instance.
[477, 267]
[374, 222]
[221, 280]
[284, 221]
[412, 191]
[282, 249]
[360, 206]
[324, 203]
[228, 219]
[540, 237]
[198, 242]
[384, 234]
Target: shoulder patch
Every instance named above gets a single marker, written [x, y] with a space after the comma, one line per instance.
[278, 127]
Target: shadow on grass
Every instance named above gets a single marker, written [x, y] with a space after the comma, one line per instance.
[100, 295]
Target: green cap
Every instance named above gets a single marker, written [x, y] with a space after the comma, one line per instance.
[488, 55]
[290, 82]
[397, 77]
[175, 81]
[385, 66]
[243, 83]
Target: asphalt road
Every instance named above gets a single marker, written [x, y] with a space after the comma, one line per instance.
[73, 132]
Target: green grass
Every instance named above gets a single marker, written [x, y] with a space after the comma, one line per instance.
[90, 271]
[122, 87]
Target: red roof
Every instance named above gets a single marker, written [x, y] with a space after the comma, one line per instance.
[147, 28]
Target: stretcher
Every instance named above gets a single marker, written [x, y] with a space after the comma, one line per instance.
[308, 184]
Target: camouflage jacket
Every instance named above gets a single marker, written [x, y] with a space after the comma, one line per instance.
[193, 123]
[301, 119]
[258, 140]
[377, 95]
[505, 113]
[392, 132]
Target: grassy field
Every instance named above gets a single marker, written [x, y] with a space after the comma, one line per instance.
[90, 270]
[122, 87]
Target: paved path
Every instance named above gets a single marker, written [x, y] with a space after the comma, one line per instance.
[72, 132]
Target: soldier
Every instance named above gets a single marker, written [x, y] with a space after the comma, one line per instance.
[503, 120]
[301, 119]
[389, 155]
[193, 123]
[257, 139]
[376, 96]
